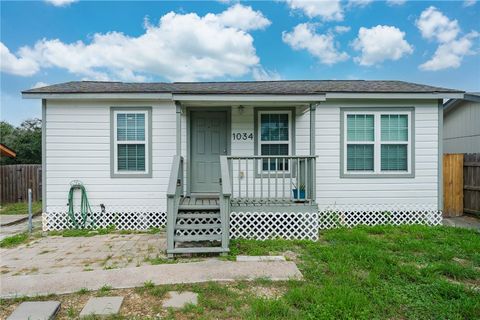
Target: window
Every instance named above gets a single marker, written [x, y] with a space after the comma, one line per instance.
[377, 142]
[131, 142]
[274, 138]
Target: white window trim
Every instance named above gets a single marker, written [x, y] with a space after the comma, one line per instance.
[259, 136]
[145, 142]
[378, 144]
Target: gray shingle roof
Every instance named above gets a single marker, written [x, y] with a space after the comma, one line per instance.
[288, 87]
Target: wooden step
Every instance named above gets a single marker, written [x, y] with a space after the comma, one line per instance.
[181, 215]
[198, 207]
[198, 226]
[198, 250]
[203, 237]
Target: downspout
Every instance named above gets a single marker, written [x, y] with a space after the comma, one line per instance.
[178, 127]
[313, 108]
[44, 155]
[440, 155]
[313, 178]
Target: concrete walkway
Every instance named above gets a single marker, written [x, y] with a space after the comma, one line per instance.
[18, 226]
[194, 272]
[466, 221]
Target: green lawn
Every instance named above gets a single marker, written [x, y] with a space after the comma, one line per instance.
[20, 207]
[409, 272]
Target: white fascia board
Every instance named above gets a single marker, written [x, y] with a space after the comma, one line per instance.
[99, 96]
[249, 97]
[412, 95]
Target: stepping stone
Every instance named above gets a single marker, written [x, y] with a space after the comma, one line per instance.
[35, 310]
[260, 258]
[178, 300]
[102, 306]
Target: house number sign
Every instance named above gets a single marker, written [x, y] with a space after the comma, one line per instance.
[242, 136]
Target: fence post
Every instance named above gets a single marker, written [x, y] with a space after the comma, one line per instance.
[30, 210]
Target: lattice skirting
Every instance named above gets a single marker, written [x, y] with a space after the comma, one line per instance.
[198, 232]
[353, 215]
[122, 218]
[271, 225]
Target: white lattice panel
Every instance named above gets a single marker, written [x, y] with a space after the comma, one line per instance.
[123, 218]
[350, 216]
[271, 225]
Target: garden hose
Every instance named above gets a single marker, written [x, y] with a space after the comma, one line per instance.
[85, 209]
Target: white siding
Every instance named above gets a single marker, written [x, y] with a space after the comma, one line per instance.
[420, 190]
[78, 148]
[461, 129]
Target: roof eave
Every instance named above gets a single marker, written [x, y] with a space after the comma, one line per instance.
[98, 95]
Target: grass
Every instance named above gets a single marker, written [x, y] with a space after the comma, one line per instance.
[13, 241]
[378, 272]
[20, 208]
[408, 272]
[100, 231]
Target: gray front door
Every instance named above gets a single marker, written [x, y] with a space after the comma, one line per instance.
[208, 142]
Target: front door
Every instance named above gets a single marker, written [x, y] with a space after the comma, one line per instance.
[208, 141]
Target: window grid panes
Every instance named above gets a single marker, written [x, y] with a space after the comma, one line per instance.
[131, 127]
[394, 127]
[394, 157]
[131, 157]
[274, 139]
[377, 142]
[360, 127]
[131, 142]
[360, 157]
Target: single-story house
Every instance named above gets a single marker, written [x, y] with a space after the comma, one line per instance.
[220, 160]
[461, 124]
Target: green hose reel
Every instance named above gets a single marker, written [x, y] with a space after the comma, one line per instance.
[86, 214]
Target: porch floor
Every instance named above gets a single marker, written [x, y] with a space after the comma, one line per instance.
[186, 202]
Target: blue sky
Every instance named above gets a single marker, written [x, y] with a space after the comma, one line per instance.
[46, 42]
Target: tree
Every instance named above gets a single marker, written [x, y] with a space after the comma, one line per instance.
[25, 140]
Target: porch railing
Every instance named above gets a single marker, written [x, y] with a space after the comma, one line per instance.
[271, 179]
[174, 191]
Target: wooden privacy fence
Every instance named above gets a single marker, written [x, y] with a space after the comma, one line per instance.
[17, 179]
[452, 185]
[461, 184]
[471, 181]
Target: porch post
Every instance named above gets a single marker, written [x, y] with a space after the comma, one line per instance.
[313, 108]
[179, 127]
[313, 169]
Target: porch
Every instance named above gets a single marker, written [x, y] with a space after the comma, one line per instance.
[270, 184]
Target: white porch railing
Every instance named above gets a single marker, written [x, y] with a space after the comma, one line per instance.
[272, 179]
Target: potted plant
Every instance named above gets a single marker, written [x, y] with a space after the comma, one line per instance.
[299, 192]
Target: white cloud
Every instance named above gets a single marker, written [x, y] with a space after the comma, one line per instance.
[450, 54]
[380, 43]
[359, 3]
[341, 29]
[433, 24]
[396, 2]
[180, 47]
[469, 3]
[261, 74]
[60, 3]
[327, 10]
[241, 17]
[322, 46]
[22, 66]
[39, 85]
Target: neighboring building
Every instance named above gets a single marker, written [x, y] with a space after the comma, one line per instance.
[7, 152]
[222, 160]
[461, 124]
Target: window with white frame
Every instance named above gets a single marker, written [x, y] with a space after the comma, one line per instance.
[131, 141]
[274, 138]
[377, 142]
